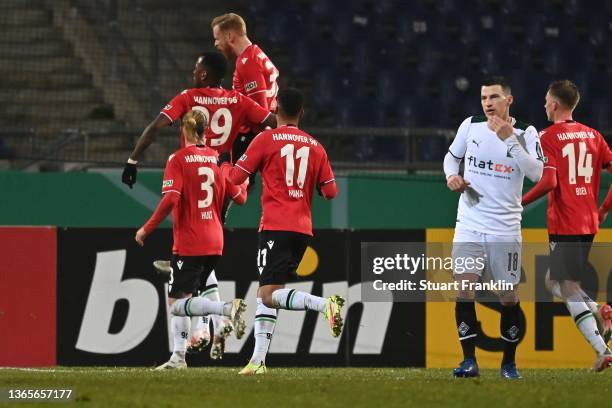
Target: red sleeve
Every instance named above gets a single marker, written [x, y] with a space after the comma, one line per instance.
[252, 159]
[607, 204]
[546, 183]
[238, 193]
[253, 82]
[163, 209]
[177, 107]
[550, 152]
[254, 113]
[173, 176]
[606, 153]
[329, 190]
[326, 174]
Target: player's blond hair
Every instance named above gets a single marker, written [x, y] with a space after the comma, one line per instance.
[230, 21]
[194, 125]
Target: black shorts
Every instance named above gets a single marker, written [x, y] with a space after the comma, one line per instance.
[188, 273]
[569, 255]
[278, 255]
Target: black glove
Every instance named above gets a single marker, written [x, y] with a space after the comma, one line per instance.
[129, 174]
[224, 158]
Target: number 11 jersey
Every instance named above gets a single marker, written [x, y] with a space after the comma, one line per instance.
[577, 153]
[292, 163]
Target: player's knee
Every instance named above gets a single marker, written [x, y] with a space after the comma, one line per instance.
[569, 288]
[267, 300]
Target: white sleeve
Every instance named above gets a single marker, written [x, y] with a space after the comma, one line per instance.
[451, 165]
[527, 152]
[459, 145]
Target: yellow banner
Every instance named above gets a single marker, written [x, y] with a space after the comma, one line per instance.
[550, 340]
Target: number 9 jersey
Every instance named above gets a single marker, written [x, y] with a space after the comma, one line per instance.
[226, 111]
[291, 163]
[577, 153]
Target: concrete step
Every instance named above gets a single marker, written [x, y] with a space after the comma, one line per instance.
[45, 96]
[30, 79]
[19, 34]
[30, 17]
[64, 112]
[50, 48]
[35, 64]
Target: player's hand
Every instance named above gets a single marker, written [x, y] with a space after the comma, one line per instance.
[503, 129]
[602, 215]
[140, 236]
[129, 174]
[457, 184]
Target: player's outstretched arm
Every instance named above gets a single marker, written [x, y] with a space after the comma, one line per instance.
[605, 206]
[146, 138]
[165, 206]
[546, 184]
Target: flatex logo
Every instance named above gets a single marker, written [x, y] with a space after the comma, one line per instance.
[474, 162]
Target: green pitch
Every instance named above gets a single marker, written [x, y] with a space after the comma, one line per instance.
[314, 387]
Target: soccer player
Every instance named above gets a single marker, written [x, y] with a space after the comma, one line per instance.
[193, 188]
[498, 152]
[254, 76]
[292, 165]
[575, 155]
[226, 112]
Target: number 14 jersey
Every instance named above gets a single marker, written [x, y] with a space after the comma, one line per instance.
[292, 163]
[577, 153]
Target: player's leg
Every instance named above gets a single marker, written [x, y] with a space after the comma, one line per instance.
[568, 259]
[504, 260]
[178, 289]
[285, 252]
[222, 326]
[188, 280]
[466, 245]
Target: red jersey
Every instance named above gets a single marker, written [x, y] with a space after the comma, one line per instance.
[255, 76]
[291, 163]
[227, 111]
[577, 153]
[192, 172]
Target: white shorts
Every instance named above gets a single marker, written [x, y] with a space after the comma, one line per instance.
[492, 257]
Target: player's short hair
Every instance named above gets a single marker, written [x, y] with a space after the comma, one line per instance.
[230, 21]
[215, 65]
[498, 80]
[290, 102]
[194, 123]
[566, 92]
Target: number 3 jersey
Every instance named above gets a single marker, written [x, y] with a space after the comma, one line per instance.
[577, 153]
[291, 163]
[192, 173]
[492, 203]
[226, 110]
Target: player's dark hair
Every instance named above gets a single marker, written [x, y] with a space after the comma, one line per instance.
[498, 80]
[290, 102]
[215, 65]
[566, 92]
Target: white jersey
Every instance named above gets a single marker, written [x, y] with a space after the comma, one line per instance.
[492, 203]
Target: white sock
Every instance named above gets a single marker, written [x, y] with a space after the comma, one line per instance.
[585, 321]
[180, 331]
[199, 324]
[265, 321]
[211, 292]
[292, 299]
[197, 307]
[591, 304]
